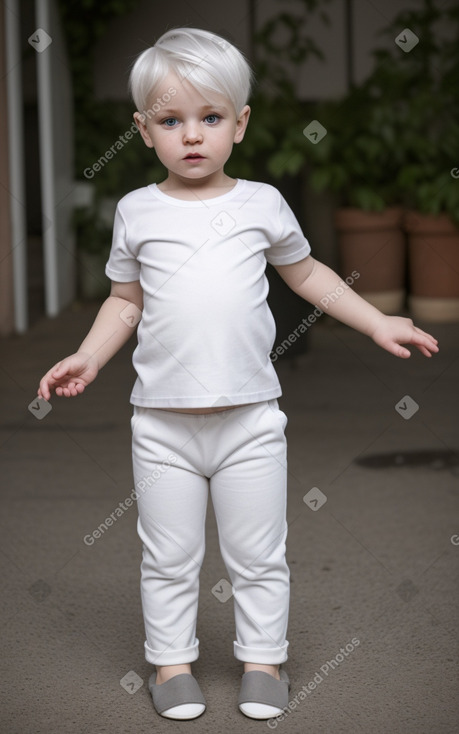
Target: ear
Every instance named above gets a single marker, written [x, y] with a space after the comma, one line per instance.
[140, 120]
[241, 123]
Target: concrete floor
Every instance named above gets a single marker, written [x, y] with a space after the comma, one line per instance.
[374, 568]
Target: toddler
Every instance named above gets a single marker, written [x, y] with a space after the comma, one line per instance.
[187, 265]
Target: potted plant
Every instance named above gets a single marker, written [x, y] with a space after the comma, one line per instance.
[349, 148]
[282, 43]
[429, 178]
[388, 144]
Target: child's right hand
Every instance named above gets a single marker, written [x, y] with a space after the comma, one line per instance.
[70, 376]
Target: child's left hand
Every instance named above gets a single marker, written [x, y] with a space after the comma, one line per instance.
[393, 331]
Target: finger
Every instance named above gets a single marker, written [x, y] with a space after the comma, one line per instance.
[59, 371]
[417, 336]
[426, 343]
[427, 340]
[62, 391]
[428, 351]
[424, 351]
[70, 390]
[424, 333]
[397, 349]
[43, 390]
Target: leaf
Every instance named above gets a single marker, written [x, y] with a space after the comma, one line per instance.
[277, 163]
[295, 163]
[320, 179]
[367, 199]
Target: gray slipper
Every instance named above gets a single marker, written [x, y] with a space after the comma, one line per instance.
[260, 687]
[179, 690]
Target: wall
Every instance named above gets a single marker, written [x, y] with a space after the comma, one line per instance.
[130, 35]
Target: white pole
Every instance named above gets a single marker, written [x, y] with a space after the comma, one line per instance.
[16, 165]
[45, 116]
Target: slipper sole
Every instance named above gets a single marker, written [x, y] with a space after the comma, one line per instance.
[181, 689]
[260, 687]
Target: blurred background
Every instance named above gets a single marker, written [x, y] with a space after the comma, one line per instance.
[354, 118]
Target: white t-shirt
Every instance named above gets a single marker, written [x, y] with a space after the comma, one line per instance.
[206, 330]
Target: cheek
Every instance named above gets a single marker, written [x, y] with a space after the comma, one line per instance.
[164, 144]
[228, 146]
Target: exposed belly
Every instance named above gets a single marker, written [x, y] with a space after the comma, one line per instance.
[204, 410]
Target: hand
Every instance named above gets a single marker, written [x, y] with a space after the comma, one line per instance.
[393, 331]
[70, 376]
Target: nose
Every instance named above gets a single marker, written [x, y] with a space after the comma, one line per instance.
[192, 133]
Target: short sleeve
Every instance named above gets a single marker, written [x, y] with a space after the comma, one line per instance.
[122, 265]
[289, 245]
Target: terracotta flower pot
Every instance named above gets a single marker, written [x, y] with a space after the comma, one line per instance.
[433, 266]
[373, 244]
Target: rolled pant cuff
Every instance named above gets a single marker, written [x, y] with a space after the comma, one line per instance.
[262, 655]
[172, 657]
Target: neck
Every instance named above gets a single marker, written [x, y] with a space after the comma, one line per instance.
[203, 188]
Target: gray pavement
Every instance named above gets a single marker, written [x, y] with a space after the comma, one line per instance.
[373, 621]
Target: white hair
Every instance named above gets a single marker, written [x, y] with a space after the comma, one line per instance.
[206, 60]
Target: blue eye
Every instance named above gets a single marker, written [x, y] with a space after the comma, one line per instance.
[170, 122]
[212, 119]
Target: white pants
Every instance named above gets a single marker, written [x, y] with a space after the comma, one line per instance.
[240, 455]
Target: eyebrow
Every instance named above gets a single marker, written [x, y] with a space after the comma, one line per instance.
[205, 108]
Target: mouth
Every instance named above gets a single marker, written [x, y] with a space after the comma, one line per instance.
[193, 157]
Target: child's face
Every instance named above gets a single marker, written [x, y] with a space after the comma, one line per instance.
[192, 134]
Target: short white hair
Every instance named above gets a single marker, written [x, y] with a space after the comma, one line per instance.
[204, 59]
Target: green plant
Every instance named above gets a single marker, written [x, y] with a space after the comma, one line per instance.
[282, 44]
[98, 124]
[84, 23]
[358, 157]
[92, 234]
[129, 165]
[391, 139]
[430, 133]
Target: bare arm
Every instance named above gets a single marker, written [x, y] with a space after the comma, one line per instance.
[112, 327]
[114, 323]
[318, 284]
